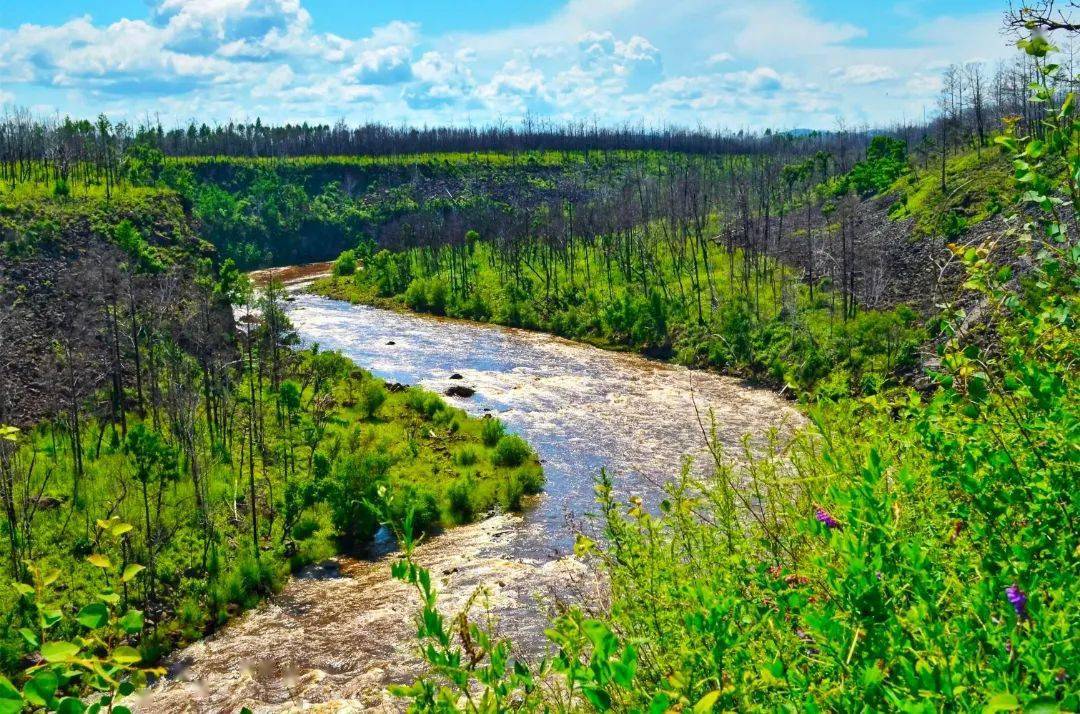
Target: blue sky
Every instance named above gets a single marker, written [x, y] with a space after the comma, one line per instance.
[715, 63]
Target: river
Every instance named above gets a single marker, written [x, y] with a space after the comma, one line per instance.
[339, 633]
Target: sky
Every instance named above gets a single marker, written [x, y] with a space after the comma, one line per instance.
[718, 64]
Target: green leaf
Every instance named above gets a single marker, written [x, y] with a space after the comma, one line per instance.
[99, 561]
[597, 697]
[125, 655]
[1042, 705]
[1004, 702]
[24, 589]
[70, 705]
[660, 703]
[40, 690]
[705, 704]
[30, 637]
[10, 699]
[59, 651]
[131, 572]
[120, 529]
[93, 616]
[132, 621]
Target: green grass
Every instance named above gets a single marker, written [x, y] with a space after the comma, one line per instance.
[976, 186]
[201, 584]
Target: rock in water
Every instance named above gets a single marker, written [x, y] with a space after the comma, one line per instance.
[460, 390]
[455, 375]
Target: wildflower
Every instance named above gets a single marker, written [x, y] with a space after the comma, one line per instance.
[825, 517]
[1018, 600]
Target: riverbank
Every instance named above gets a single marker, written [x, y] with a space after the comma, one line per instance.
[794, 340]
[340, 639]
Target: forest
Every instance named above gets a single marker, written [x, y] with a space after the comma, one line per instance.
[173, 451]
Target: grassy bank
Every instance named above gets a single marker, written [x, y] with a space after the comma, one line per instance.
[745, 317]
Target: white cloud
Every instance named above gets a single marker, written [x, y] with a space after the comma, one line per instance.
[687, 62]
[863, 73]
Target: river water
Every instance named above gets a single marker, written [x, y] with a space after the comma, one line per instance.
[338, 634]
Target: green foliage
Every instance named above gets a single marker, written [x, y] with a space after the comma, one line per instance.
[913, 552]
[511, 450]
[470, 670]
[886, 161]
[372, 396]
[492, 431]
[97, 655]
[345, 263]
[748, 333]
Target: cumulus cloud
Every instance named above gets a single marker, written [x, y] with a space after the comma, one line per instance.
[612, 60]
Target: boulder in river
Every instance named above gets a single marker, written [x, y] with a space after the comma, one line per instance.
[460, 390]
[455, 375]
[390, 342]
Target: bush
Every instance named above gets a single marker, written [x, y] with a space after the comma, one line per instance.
[305, 527]
[346, 263]
[416, 297]
[372, 396]
[510, 451]
[424, 402]
[466, 456]
[492, 431]
[459, 499]
[352, 491]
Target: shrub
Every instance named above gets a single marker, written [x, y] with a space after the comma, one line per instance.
[372, 396]
[491, 432]
[346, 263]
[466, 456]
[511, 450]
[459, 499]
[305, 527]
[416, 296]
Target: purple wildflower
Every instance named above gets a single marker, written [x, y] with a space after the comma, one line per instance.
[1018, 600]
[825, 517]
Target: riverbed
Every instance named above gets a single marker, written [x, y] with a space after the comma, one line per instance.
[340, 632]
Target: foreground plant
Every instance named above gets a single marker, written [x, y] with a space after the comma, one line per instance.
[92, 670]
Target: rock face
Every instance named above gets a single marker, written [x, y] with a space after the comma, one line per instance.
[460, 390]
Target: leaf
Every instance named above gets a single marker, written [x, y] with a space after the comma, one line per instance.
[10, 699]
[125, 655]
[93, 616]
[131, 572]
[597, 697]
[24, 589]
[99, 561]
[70, 705]
[59, 651]
[30, 637]
[705, 704]
[9, 433]
[1003, 702]
[42, 688]
[120, 529]
[132, 621]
